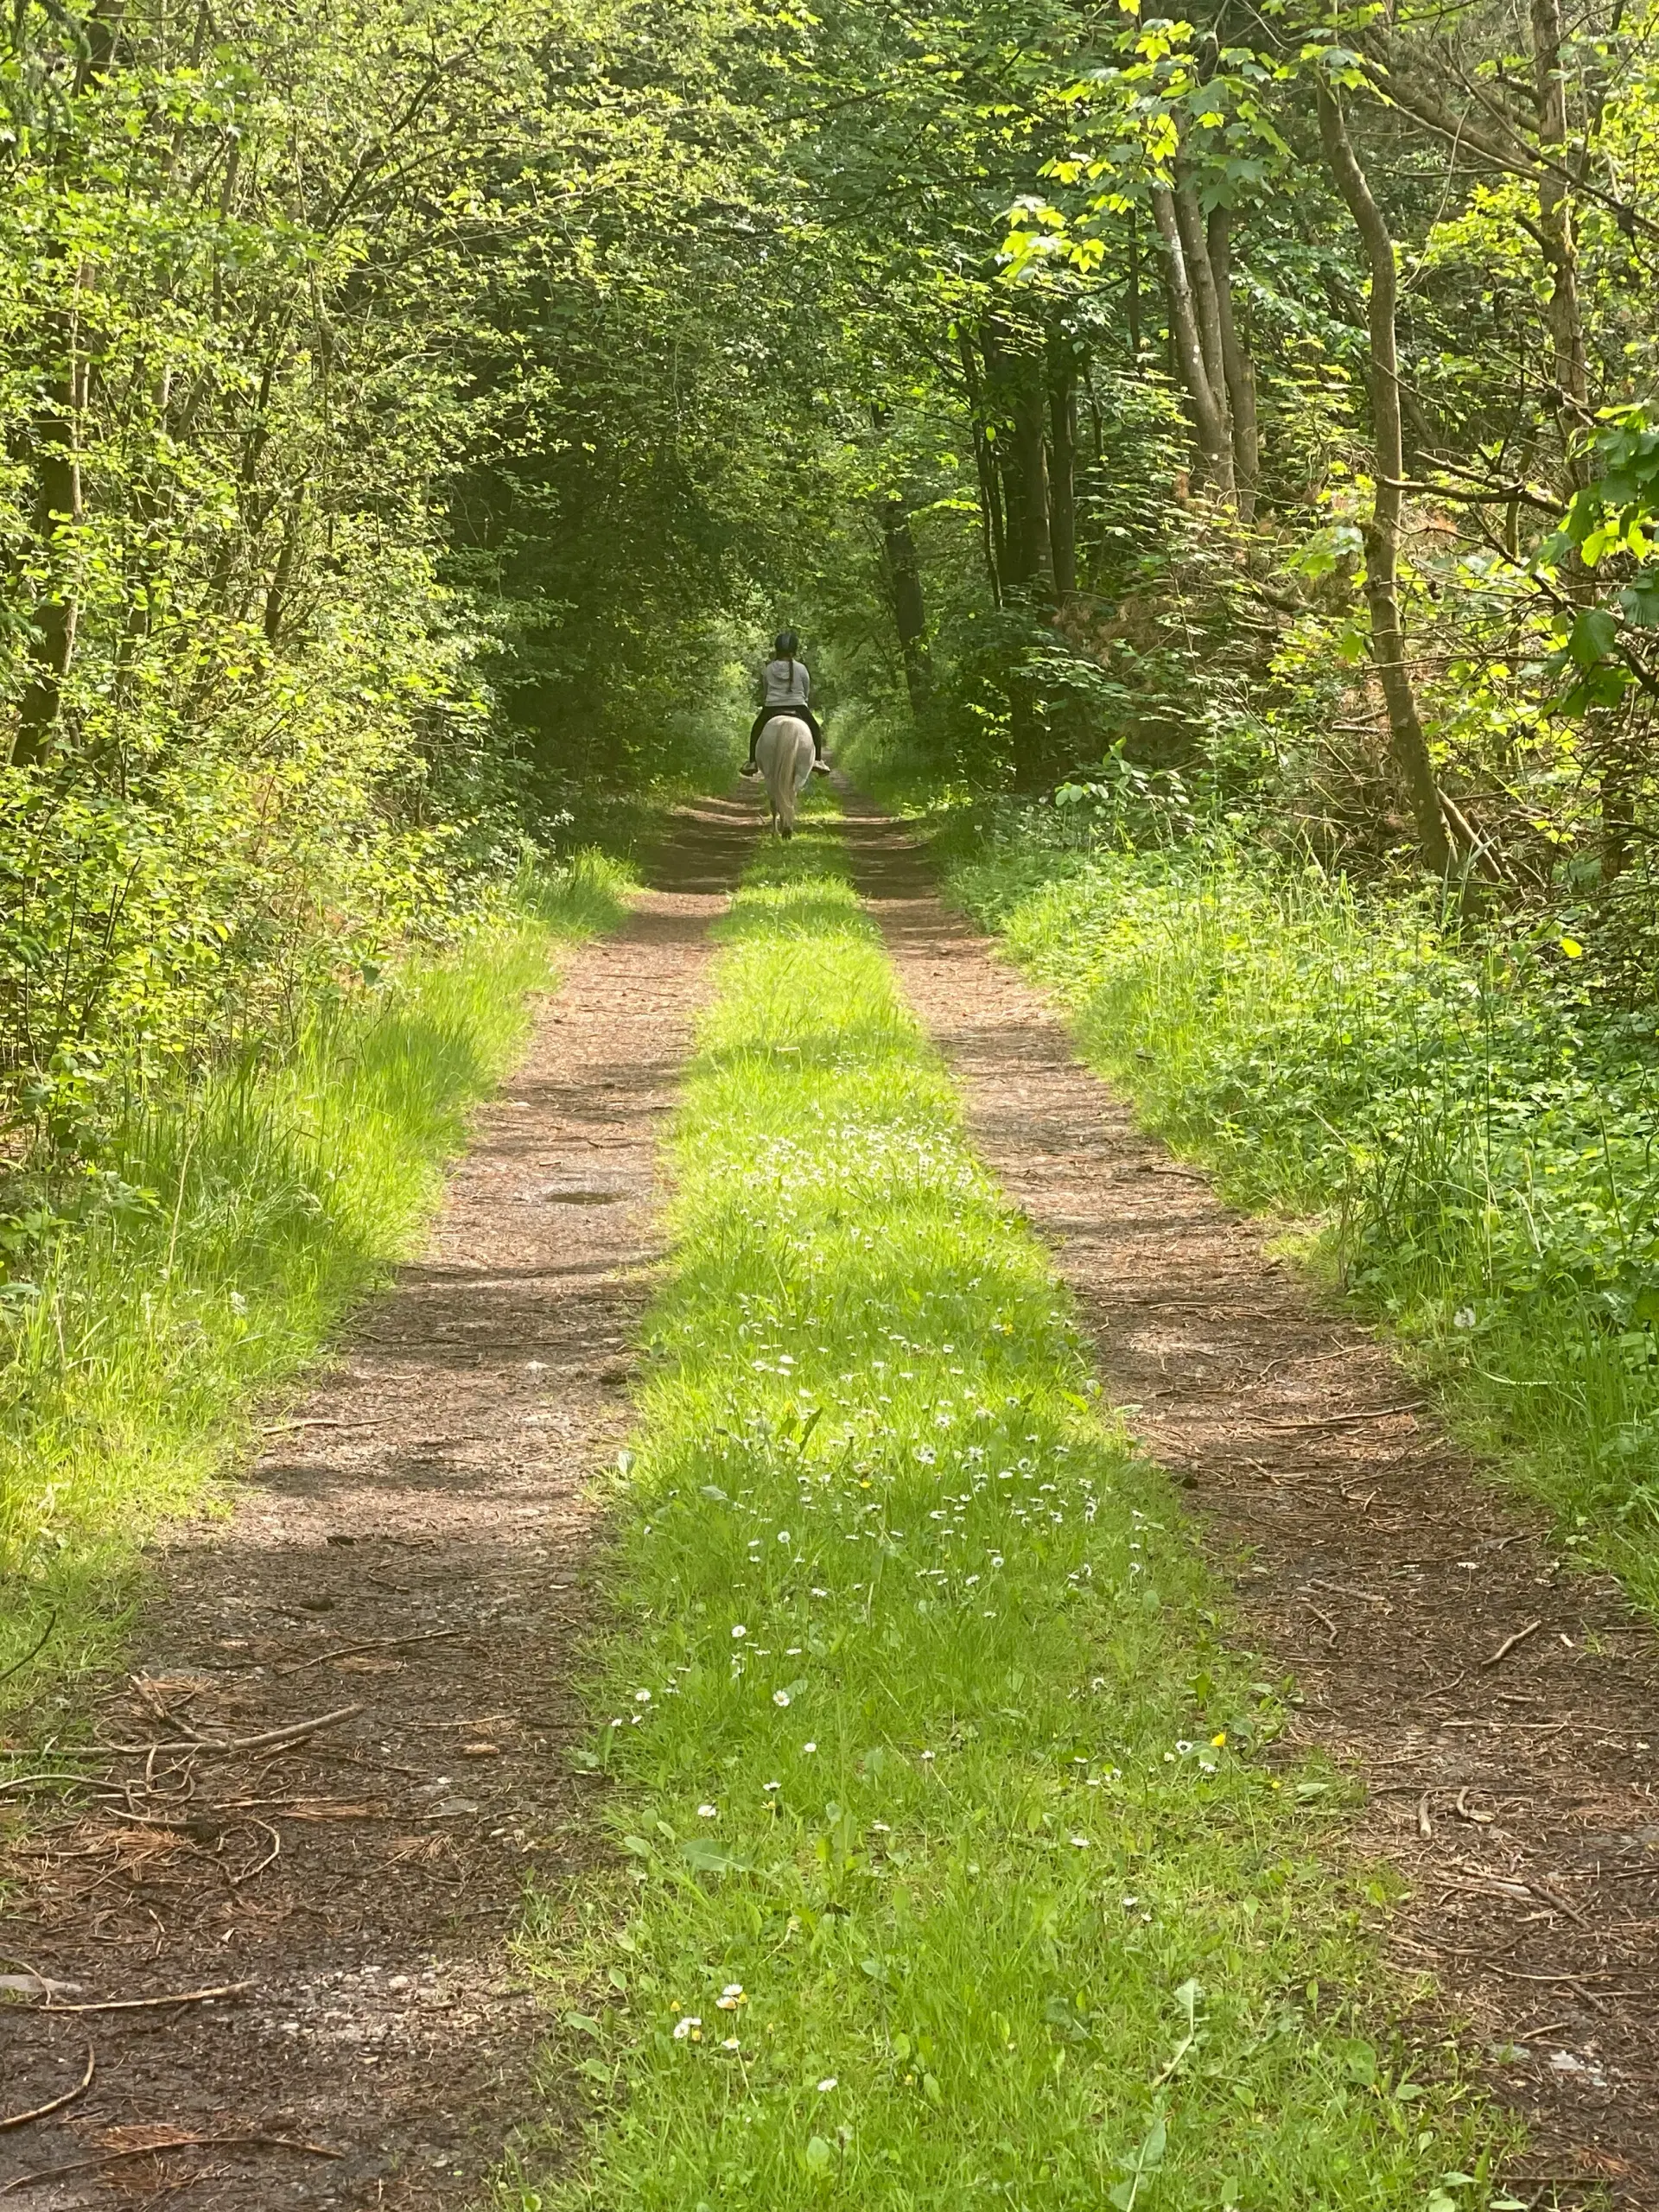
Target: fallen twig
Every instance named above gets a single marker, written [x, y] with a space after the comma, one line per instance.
[31, 1983]
[1330, 1624]
[56, 2104]
[148, 2004]
[374, 1643]
[180, 2142]
[1510, 1643]
[1349, 1590]
[295, 1729]
[1342, 1421]
[287, 1427]
[260, 1865]
[39, 1645]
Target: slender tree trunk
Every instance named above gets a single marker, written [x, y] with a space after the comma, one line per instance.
[1215, 449]
[283, 576]
[1018, 384]
[909, 605]
[56, 453]
[1063, 462]
[56, 440]
[1383, 531]
[1236, 365]
[992, 529]
[1134, 286]
[1196, 253]
[1571, 394]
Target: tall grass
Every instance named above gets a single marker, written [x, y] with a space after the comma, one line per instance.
[1474, 1138]
[954, 1873]
[215, 1250]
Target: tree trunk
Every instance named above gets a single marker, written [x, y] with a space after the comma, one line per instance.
[909, 605]
[1196, 253]
[1063, 462]
[1215, 449]
[56, 440]
[1135, 287]
[1382, 532]
[1017, 385]
[992, 532]
[1236, 365]
[1571, 394]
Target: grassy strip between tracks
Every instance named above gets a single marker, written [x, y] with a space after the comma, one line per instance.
[955, 1874]
[246, 1218]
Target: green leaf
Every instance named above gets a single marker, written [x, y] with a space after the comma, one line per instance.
[1593, 636]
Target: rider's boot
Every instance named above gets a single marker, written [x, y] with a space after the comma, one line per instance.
[820, 765]
[749, 768]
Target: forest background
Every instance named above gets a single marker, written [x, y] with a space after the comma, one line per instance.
[1212, 464]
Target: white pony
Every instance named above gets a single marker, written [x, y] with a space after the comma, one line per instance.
[785, 755]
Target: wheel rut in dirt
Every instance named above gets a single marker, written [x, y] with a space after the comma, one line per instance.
[411, 1554]
[1502, 1709]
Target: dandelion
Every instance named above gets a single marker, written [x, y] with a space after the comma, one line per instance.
[689, 2025]
[780, 1697]
[1218, 1741]
[783, 1535]
[707, 1812]
[1464, 1317]
[739, 1631]
[826, 2085]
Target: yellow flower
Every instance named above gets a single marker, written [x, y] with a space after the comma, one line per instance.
[1218, 1742]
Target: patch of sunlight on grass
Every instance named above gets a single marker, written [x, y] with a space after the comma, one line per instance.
[952, 1872]
[254, 1212]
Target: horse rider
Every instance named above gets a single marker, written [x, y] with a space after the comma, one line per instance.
[785, 689]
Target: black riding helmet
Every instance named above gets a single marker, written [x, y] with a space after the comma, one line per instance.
[786, 646]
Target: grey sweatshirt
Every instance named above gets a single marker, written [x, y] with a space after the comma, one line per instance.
[785, 684]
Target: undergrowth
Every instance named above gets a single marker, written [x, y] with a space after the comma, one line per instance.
[1473, 1136]
[211, 1252]
[952, 1871]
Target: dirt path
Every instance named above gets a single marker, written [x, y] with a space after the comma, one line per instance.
[411, 1548]
[1503, 1713]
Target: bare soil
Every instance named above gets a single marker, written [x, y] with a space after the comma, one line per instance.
[413, 1548]
[1501, 1708]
